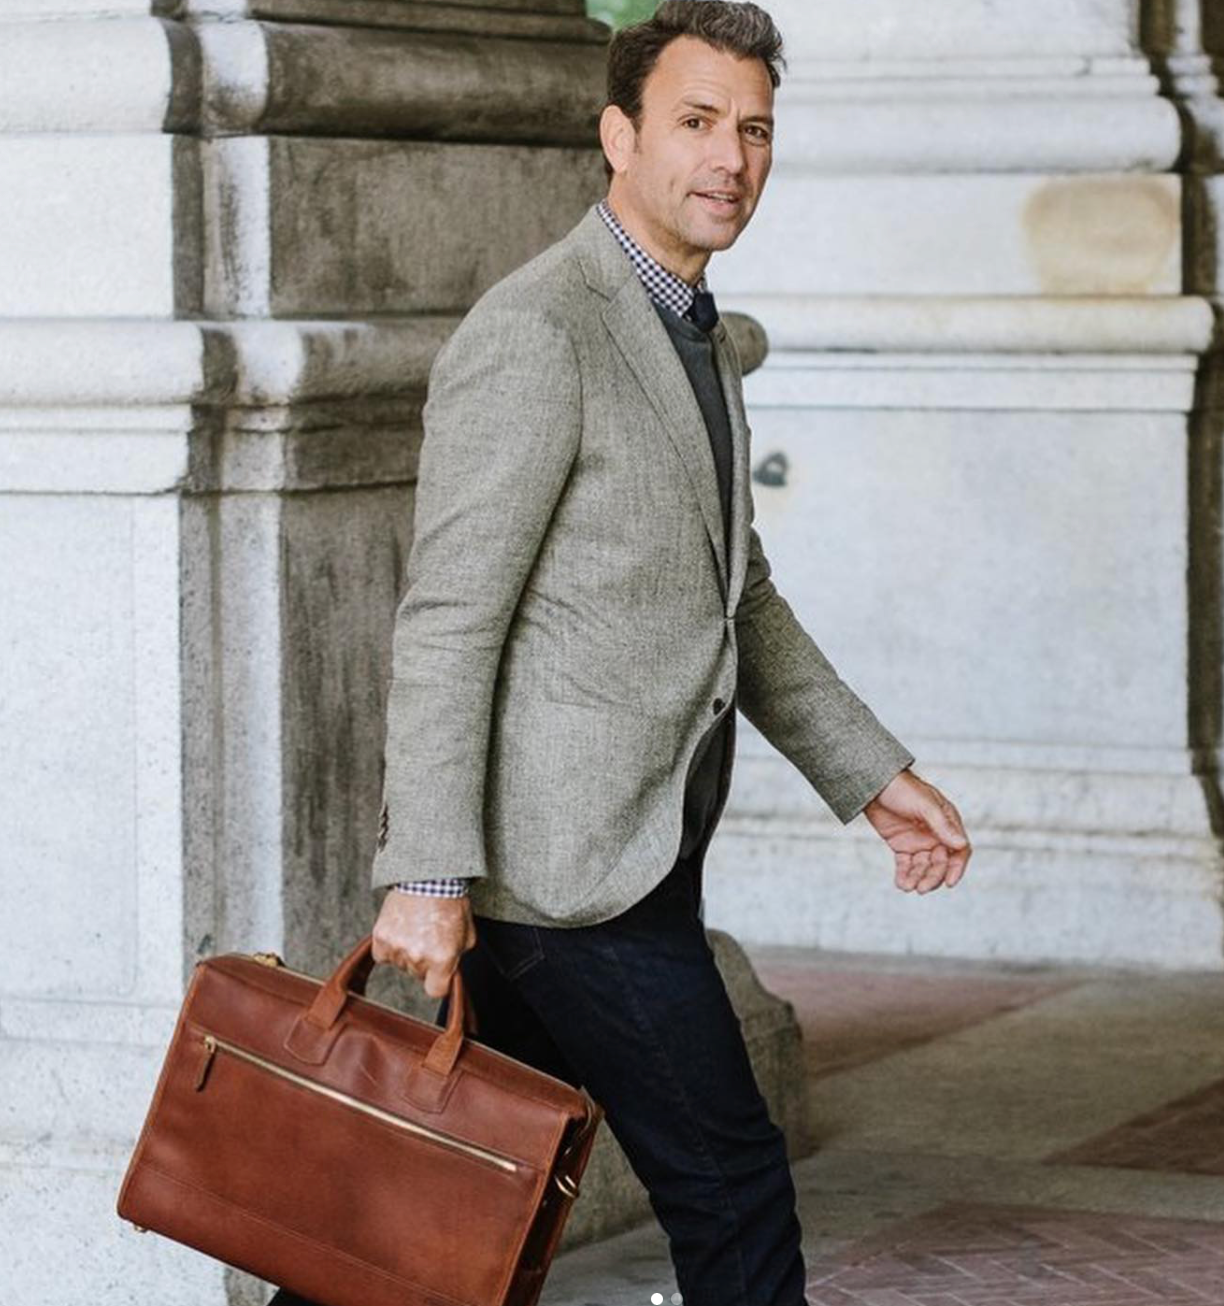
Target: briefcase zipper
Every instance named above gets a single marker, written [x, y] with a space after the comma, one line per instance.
[213, 1044]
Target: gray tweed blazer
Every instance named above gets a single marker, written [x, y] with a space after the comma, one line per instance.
[574, 621]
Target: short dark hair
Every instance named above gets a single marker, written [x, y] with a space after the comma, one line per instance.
[742, 29]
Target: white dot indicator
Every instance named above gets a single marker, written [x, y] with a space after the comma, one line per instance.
[676, 1299]
[656, 1299]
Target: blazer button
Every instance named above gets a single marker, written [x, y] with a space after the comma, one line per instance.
[718, 706]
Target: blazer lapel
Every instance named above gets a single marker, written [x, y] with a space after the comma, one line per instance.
[647, 348]
[741, 486]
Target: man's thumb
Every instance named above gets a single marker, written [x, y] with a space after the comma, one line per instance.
[944, 826]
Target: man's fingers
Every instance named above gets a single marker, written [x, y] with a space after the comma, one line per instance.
[438, 978]
[937, 866]
[950, 857]
[956, 866]
[400, 958]
[910, 867]
[433, 969]
[930, 869]
[411, 959]
[902, 872]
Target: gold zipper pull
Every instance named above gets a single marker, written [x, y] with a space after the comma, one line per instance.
[210, 1051]
[267, 959]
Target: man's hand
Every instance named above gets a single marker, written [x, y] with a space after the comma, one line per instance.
[924, 831]
[424, 936]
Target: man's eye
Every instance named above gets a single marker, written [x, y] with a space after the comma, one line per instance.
[761, 133]
[687, 121]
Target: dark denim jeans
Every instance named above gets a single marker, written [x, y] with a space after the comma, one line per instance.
[635, 1010]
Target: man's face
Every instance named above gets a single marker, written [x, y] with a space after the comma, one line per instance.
[694, 173]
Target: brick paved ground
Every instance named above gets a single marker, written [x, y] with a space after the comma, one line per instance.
[977, 1255]
[988, 1137]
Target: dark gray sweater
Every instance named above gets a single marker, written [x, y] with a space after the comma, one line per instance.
[696, 352]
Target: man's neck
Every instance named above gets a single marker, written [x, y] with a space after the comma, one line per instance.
[687, 269]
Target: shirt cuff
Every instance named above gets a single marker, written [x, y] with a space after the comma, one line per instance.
[450, 887]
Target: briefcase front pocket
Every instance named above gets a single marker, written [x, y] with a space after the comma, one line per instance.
[210, 1045]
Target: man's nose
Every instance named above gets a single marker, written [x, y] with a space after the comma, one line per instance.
[727, 150]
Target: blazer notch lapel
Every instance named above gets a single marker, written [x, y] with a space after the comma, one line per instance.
[727, 362]
[643, 341]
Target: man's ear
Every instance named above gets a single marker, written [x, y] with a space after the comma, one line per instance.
[618, 136]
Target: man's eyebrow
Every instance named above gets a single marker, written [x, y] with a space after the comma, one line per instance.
[766, 118]
[697, 104]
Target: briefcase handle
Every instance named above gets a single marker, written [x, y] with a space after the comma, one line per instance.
[350, 977]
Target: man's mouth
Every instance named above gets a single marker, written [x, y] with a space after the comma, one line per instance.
[720, 201]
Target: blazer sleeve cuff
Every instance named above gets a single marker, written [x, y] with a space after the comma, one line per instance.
[854, 793]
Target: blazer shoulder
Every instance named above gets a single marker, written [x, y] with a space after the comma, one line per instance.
[548, 287]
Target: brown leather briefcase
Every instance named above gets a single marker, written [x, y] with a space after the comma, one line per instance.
[352, 1153]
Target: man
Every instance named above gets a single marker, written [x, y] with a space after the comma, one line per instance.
[587, 605]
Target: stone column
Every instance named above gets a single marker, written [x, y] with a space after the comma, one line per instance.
[1186, 38]
[232, 237]
[980, 478]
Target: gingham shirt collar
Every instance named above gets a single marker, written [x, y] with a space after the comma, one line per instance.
[662, 286]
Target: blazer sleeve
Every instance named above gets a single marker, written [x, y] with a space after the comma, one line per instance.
[501, 430]
[793, 695]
